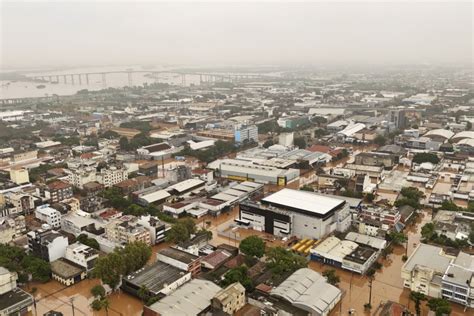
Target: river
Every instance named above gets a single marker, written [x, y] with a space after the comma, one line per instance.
[11, 89]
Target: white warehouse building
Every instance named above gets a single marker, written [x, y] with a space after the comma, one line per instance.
[297, 213]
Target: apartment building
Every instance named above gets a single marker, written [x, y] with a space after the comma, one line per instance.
[112, 175]
[48, 215]
[48, 244]
[230, 299]
[126, 229]
[82, 255]
[180, 259]
[246, 134]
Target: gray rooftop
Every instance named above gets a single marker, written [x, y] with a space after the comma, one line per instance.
[154, 277]
[190, 299]
[308, 290]
[428, 256]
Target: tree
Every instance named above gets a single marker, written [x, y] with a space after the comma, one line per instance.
[428, 231]
[417, 297]
[370, 197]
[281, 261]
[181, 231]
[396, 238]
[268, 143]
[440, 306]
[425, 157]
[253, 246]
[109, 134]
[300, 142]
[85, 240]
[380, 140]
[320, 133]
[143, 293]
[331, 276]
[468, 126]
[307, 188]
[98, 291]
[122, 261]
[39, 269]
[123, 143]
[110, 269]
[410, 196]
[238, 274]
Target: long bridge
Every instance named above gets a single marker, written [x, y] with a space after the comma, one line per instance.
[204, 77]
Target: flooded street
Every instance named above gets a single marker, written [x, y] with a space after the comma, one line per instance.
[54, 296]
[387, 284]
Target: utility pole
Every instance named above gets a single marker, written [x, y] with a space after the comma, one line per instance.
[72, 303]
[370, 291]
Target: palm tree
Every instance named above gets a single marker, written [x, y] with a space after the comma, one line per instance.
[417, 297]
[105, 304]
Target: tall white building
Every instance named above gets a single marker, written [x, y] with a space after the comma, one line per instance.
[48, 215]
[247, 133]
[110, 176]
[82, 255]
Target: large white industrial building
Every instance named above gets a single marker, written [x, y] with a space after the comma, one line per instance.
[297, 213]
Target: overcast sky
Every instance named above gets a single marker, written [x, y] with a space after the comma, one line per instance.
[75, 34]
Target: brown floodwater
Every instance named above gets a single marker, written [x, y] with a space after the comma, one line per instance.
[55, 296]
[387, 284]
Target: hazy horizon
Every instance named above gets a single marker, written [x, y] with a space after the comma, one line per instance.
[51, 34]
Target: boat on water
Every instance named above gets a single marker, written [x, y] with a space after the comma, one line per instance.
[41, 86]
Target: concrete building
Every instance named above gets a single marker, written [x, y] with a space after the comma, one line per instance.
[180, 259]
[126, 229]
[397, 117]
[160, 279]
[13, 300]
[424, 270]
[80, 176]
[458, 280]
[67, 272]
[230, 299]
[112, 175]
[246, 134]
[48, 215]
[19, 175]
[345, 254]
[7, 230]
[21, 202]
[286, 139]
[156, 228]
[192, 298]
[296, 213]
[242, 170]
[308, 290]
[48, 245]
[56, 191]
[82, 255]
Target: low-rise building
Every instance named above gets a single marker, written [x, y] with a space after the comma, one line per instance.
[160, 279]
[192, 298]
[48, 245]
[424, 270]
[308, 290]
[19, 175]
[82, 255]
[230, 299]
[48, 215]
[180, 259]
[126, 229]
[297, 213]
[67, 272]
[112, 175]
[13, 300]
